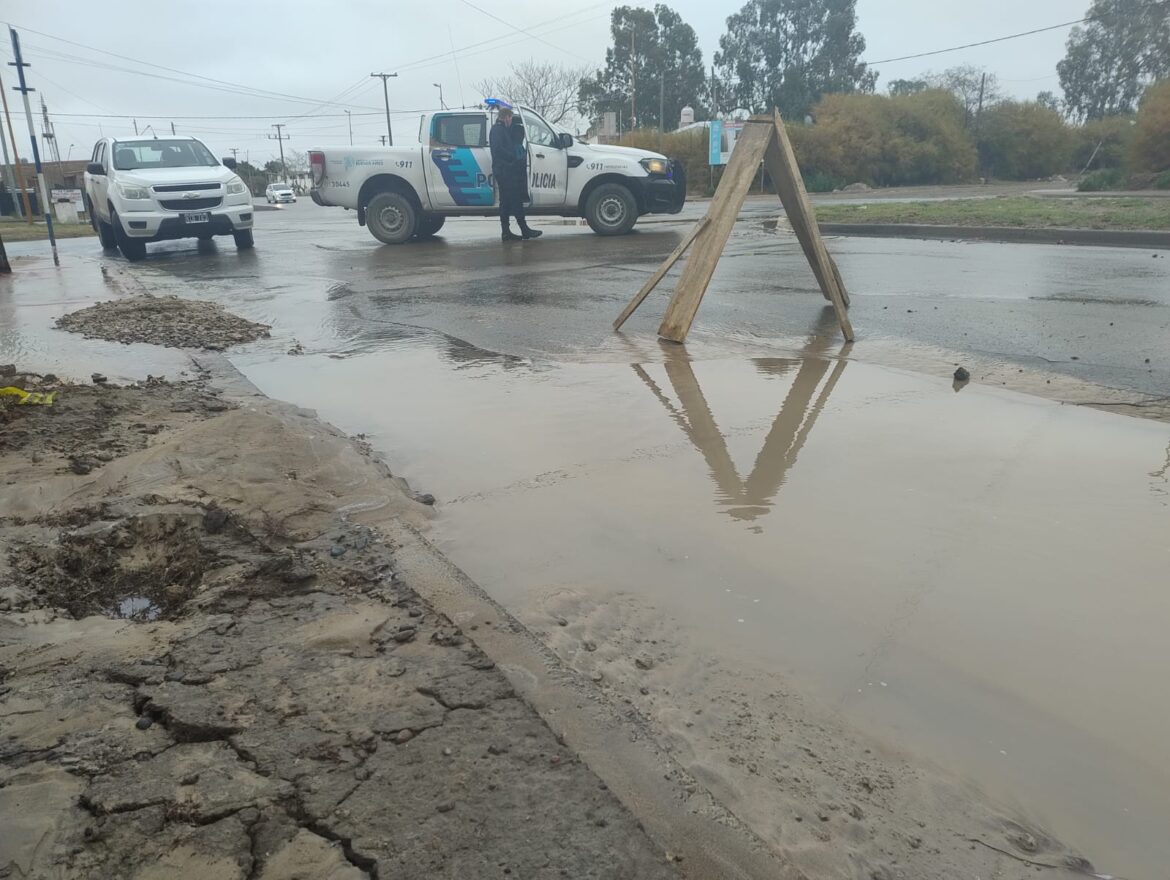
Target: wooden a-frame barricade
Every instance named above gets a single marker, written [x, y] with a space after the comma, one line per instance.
[763, 139]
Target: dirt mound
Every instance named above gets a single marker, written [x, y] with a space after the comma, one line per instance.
[163, 320]
[89, 425]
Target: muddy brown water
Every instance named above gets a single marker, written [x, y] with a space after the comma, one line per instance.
[975, 577]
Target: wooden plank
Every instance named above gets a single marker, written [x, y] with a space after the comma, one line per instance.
[781, 163]
[709, 244]
[660, 273]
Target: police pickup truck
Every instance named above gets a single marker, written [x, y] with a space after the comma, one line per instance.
[407, 192]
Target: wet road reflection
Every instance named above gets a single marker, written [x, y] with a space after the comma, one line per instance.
[747, 498]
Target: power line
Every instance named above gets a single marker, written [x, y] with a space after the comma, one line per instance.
[259, 93]
[521, 30]
[981, 43]
[174, 116]
[464, 50]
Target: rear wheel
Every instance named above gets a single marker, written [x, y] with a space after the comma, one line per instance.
[391, 217]
[611, 210]
[244, 239]
[132, 249]
[429, 224]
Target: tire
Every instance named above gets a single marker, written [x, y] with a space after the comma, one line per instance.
[244, 239]
[104, 231]
[391, 218]
[132, 249]
[429, 224]
[611, 209]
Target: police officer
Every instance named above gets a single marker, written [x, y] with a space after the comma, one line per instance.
[510, 167]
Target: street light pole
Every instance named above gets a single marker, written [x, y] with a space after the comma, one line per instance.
[439, 86]
[280, 137]
[386, 98]
[349, 119]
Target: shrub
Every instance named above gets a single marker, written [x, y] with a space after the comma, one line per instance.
[887, 141]
[1114, 135]
[1107, 180]
[1024, 140]
[1151, 142]
[1162, 181]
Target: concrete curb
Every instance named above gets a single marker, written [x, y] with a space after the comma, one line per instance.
[1134, 238]
[676, 811]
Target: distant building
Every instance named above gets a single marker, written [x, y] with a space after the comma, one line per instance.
[687, 117]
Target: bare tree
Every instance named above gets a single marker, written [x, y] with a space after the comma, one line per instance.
[969, 84]
[547, 87]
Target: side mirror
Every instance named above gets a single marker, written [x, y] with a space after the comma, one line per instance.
[95, 168]
[564, 140]
[229, 163]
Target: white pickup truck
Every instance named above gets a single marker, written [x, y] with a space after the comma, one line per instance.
[407, 192]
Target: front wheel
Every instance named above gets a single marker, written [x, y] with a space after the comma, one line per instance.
[104, 230]
[611, 210]
[429, 225]
[133, 249]
[244, 239]
[391, 218]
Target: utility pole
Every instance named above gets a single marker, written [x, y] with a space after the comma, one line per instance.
[48, 134]
[172, 128]
[439, 86]
[135, 121]
[349, 119]
[234, 151]
[386, 98]
[382, 138]
[24, 90]
[979, 112]
[662, 103]
[280, 137]
[9, 177]
[17, 167]
[633, 81]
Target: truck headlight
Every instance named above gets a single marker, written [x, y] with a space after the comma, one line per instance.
[130, 192]
[656, 166]
[236, 187]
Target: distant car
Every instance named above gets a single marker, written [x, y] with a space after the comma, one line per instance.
[279, 192]
[139, 190]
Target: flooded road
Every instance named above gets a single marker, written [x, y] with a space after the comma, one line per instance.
[975, 578]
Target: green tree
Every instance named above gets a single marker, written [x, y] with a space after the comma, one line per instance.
[654, 64]
[899, 87]
[787, 53]
[971, 85]
[1049, 100]
[1023, 140]
[1151, 142]
[1109, 62]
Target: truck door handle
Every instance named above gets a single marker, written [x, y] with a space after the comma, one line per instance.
[540, 155]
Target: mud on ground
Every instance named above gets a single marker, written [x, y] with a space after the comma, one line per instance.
[196, 682]
[163, 320]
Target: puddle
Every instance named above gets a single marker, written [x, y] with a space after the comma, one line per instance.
[138, 608]
[952, 574]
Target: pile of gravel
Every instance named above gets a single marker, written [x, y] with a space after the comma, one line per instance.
[163, 320]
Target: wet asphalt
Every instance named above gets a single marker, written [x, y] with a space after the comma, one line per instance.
[562, 452]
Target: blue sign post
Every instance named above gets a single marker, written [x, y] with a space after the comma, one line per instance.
[715, 144]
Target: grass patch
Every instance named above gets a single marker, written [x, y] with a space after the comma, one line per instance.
[1016, 211]
[18, 230]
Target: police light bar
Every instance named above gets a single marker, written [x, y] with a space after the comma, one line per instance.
[497, 103]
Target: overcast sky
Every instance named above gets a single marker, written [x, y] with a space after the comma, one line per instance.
[322, 50]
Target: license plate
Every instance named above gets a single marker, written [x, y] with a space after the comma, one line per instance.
[197, 217]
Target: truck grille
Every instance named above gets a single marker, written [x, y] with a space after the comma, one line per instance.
[173, 188]
[191, 204]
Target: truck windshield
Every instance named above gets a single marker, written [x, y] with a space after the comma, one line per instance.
[130, 155]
